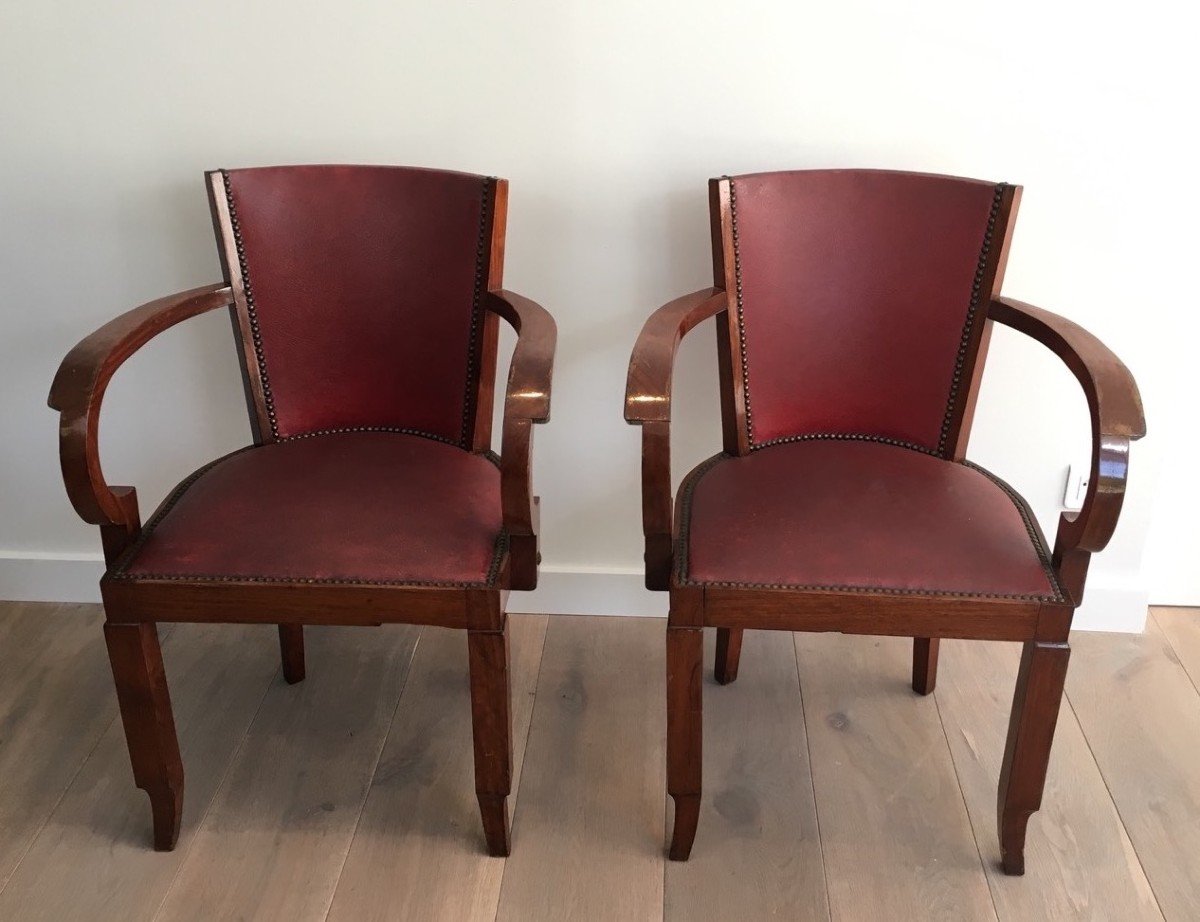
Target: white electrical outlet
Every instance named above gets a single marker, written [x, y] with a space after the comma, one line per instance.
[1076, 488]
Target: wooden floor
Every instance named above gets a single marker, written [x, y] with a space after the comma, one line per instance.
[831, 790]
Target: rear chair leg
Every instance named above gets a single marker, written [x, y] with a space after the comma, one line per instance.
[137, 667]
[729, 652]
[685, 665]
[291, 649]
[925, 662]
[1036, 702]
[491, 720]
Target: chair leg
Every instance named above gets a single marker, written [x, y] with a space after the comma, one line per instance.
[729, 653]
[291, 649]
[1040, 681]
[685, 720]
[145, 704]
[925, 662]
[491, 720]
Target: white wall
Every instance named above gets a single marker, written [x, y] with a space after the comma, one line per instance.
[608, 118]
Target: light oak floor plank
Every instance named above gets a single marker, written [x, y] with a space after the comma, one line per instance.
[1079, 862]
[56, 700]
[419, 850]
[758, 852]
[896, 836]
[94, 859]
[1140, 713]
[1182, 627]
[588, 837]
[277, 835]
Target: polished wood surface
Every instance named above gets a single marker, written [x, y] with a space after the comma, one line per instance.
[78, 392]
[1117, 419]
[927, 617]
[134, 606]
[588, 803]
[648, 404]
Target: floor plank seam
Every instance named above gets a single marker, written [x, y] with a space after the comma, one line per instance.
[203, 818]
[58, 802]
[1171, 643]
[812, 781]
[362, 805]
[970, 820]
[516, 797]
[1113, 800]
[63, 793]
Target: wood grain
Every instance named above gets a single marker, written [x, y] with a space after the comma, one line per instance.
[93, 859]
[419, 830]
[757, 852]
[56, 701]
[895, 834]
[281, 824]
[1141, 714]
[1079, 862]
[588, 830]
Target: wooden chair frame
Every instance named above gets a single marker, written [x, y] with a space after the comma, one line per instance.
[1042, 627]
[133, 607]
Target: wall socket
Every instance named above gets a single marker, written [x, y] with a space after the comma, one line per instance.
[1076, 489]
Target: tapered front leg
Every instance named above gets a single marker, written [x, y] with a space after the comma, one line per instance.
[291, 650]
[145, 704]
[685, 720]
[491, 720]
[1040, 681]
[925, 662]
[729, 652]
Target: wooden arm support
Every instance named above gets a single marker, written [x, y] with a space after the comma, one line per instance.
[1117, 420]
[78, 391]
[526, 401]
[648, 404]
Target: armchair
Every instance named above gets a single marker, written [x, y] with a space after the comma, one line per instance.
[370, 493]
[854, 309]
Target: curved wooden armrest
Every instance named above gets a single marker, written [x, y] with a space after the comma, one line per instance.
[532, 367]
[1117, 418]
[526, 402]
[648, 385]
[648, 404]
[78, 390]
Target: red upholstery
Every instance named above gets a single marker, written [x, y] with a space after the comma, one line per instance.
[860, 515]
[353, 506]
[363, 283]
[855, 288]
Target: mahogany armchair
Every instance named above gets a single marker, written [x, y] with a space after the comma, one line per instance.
[365, 304]
[853, 314]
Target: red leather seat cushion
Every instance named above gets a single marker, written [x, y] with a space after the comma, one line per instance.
[363, 506]
[860, 515]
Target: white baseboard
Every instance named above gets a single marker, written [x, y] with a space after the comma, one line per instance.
[26, 577]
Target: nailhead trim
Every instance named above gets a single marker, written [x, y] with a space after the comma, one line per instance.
[688, 487]
[120, 569]
[485, 210]
[846, 436]
[1030, 528]
[396, 429]
[741, 311]
[470, 392]
[960, 360]
[685, 515]
[251, 310]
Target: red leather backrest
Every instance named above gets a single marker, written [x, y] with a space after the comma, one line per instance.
[856, 294]
[361, 297]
